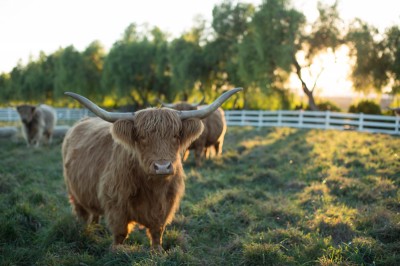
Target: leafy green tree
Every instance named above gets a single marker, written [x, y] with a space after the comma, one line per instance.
[230, 24]
[93, 60]
[5, 88]
[16, 82]
[392, 45]
[186, 55]
[277, 34]
[371, 62]
[39, 76]
[162, 69]
[47, 63]
[267, 51]
[136, 66]
[69, 72]
[32, 82]
[326, 35]
[32, 87]
[186, 61]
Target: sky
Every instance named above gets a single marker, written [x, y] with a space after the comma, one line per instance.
[30, 26]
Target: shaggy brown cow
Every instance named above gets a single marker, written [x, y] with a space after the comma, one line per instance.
[128, 168]
[213, 134]
[396, 111]
[38, 123]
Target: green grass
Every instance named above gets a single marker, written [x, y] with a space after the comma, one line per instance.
[277, 196]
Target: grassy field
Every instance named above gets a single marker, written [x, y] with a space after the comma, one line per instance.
[277, 196]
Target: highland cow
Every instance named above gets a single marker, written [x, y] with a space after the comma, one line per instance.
[213, 134]
[128, 168]
[38, 123]
[396, 111]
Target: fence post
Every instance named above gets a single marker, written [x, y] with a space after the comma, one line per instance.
[361, 122]
[300, 118]
[259, 118]
[9, 115]
[242, 117]
[327, 118]
[279, 118]
[397, 124]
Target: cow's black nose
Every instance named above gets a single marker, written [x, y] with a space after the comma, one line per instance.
[163, 168]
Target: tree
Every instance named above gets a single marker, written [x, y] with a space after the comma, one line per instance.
[16, 82]
[5, 88]
[47, 63]
[270, 51]
[230, 24]
[33, 85]
[93, 60]
[370, 71]
[187, 63]
[392, 50]
[162, 68]
[136, 66]
[32, 82]
[267, 51]
[326, 35]
[69, 72]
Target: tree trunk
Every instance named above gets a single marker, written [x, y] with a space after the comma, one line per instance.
[311, 101]
[307, 91]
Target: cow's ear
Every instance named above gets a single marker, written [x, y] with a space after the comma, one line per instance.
[33, 108]
[191, 130]
[123, 131]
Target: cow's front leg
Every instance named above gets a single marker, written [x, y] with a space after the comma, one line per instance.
[119, 226]
[35, 141]
[198, 154]
[156, 234]
[119, 232]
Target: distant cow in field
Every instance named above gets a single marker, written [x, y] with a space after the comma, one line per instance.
[213, 134]
[127, 166]
[396, 111]
[38, 123]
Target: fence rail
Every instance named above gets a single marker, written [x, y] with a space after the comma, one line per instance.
[63, 114]
[310, 119]
[281, 118]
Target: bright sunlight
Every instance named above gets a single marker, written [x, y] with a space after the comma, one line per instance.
[329, 73]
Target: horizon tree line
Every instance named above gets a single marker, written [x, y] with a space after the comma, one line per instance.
[253, 47]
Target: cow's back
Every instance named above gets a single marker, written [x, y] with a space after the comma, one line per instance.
[216, 126]
[89, 142]
[49, 117]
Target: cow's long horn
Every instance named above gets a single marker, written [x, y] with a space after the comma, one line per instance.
[103, 114]
[202, 113]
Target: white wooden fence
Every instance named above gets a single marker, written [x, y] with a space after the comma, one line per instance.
[281, 118]
[63, 114]
[310, 119]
